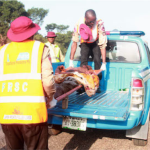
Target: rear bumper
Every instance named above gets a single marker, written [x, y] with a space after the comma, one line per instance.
[132, 121]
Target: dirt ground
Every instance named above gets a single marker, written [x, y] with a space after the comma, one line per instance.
[92, 139]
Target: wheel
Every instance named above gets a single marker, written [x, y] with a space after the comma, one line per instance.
[139, 134]
[54, 129]
[139, 142]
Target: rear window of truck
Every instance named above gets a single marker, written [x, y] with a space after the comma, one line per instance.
[117, 51]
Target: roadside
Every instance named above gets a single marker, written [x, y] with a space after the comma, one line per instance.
[92, 139]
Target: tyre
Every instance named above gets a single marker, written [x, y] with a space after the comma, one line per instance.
[139, 142]
[139, 134]
[54, 129]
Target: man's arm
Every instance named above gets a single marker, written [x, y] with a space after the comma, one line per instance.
[75, 39]
[73, 50]
[103, 52]
[102, 44]
[61, 56]
[47, 76]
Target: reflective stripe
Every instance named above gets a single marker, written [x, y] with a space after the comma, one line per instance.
[94, 30]
[34, 59]
[55, 58]
[20, 76]
[146, 78]
[2, 58]
[144, 73]
[22, 99]
[17, 117]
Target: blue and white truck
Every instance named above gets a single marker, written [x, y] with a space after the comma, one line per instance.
[124, 101]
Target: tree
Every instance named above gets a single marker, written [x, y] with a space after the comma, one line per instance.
[63, 40]
[59, 28]
[10, 10]
[39, 37]
[37, 15]
[51, 27]
[62, 28]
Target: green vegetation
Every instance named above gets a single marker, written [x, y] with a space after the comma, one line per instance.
[10, 10]
[37, 15]
[63, 37]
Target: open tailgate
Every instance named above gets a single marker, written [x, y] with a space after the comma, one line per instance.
[107, 105]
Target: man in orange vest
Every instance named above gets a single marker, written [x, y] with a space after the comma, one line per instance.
[26, 77]
[93, 41]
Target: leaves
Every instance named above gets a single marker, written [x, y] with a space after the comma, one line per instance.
[37, 15]
[62, 28]
[39, 37]
[10, 10]
[63, 40]
[51, 27]
[59, 28]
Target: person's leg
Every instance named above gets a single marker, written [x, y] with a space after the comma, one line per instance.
[13, 137]
[85, 48]
[97, 58]
[36, 136]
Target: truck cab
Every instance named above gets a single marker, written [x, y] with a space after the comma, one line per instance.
[124, 101]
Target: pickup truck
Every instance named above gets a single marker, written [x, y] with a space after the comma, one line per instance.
[124, 101]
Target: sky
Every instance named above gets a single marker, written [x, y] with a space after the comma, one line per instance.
[124, 15]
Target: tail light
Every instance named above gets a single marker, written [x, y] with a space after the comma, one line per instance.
[137, 94]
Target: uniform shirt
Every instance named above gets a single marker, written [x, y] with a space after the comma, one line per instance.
[54, 50]
[47, 75]
[101, 32]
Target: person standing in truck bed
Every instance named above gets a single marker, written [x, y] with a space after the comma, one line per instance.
[93, 41]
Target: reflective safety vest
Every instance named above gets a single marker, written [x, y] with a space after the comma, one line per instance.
[22, 98]
[54, 52]
[94, 30]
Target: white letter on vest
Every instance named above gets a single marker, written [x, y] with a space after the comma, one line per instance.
[10, 84]
[23, 86]
[3, 86]
[17, 86]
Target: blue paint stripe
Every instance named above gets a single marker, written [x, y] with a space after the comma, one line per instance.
[145, 75]
[143, 69]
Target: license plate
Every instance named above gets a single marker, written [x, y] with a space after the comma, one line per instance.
[74, 123]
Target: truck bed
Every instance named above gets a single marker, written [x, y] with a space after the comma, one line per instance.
[107, 105]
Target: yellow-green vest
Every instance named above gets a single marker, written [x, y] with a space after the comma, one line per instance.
[22, 99]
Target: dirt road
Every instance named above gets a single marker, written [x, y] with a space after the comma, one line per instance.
[92, 139]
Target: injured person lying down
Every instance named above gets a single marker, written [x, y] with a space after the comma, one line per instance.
[69, 78]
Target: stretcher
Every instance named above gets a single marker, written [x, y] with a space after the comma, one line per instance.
[75, 89]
